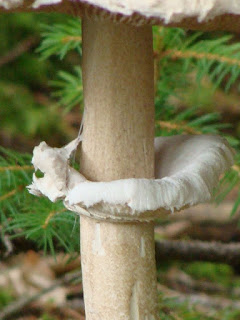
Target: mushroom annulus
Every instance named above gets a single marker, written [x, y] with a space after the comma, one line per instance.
[126, 178]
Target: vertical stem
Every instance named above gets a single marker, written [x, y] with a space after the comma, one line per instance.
[118, 260]
[119, 101]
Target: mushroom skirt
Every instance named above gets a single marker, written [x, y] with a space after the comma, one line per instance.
[187, 169]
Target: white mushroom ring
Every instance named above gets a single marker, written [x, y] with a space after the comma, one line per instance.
[187, 169]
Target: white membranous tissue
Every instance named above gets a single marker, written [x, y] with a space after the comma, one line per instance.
[187, 169]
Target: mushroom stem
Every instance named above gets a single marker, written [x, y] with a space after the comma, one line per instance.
[119, 270]
[118, 259]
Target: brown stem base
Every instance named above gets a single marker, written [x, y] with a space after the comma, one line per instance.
[119, 271]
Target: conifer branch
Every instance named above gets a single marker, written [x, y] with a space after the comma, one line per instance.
[11, 193]
[49, 217]
[178, 54]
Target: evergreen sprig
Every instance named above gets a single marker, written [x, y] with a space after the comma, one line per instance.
[68, 89]
[59, 39]
[215, 58]
[50, 225]
[15, 175]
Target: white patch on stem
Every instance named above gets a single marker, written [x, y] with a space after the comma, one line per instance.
[142, 248]
[97, 247]
[134, 303]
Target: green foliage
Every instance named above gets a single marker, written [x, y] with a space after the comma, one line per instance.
[25, 102]
[181, 311]
[47, 317]
[48, 224]
[207, 56]
[220, 273]
[59, 39]
[189, 121]
[174, 309]
[186, 59]
[15, 173]
[69, 89]
[5, 297]
[17, 29]
[31, 117]
[183, 304]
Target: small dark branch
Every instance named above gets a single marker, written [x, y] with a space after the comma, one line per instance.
[23, 302]
[198, 251]
[6, 243]
[19, 245]
[58, 312]
[181, 281]
[200, 299]
[20, 48]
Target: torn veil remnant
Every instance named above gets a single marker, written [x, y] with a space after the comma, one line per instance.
[187, 169]
[59, 177]
[117, 183]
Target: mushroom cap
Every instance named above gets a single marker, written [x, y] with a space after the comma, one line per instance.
[190, 14]
[187, 169]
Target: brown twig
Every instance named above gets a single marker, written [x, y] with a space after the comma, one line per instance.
[11, 193]
[178, 126]
[16, 168]
[36, 309]
[20, 48]
[18, 305]
[178, 54]
[181, 281]
[62, 312]
[71, 38]
[49, 217]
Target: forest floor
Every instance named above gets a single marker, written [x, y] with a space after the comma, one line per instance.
[37, 286]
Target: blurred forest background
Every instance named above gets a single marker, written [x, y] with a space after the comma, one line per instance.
[197, 90]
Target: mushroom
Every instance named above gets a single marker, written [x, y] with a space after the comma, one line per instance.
[121, 188]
